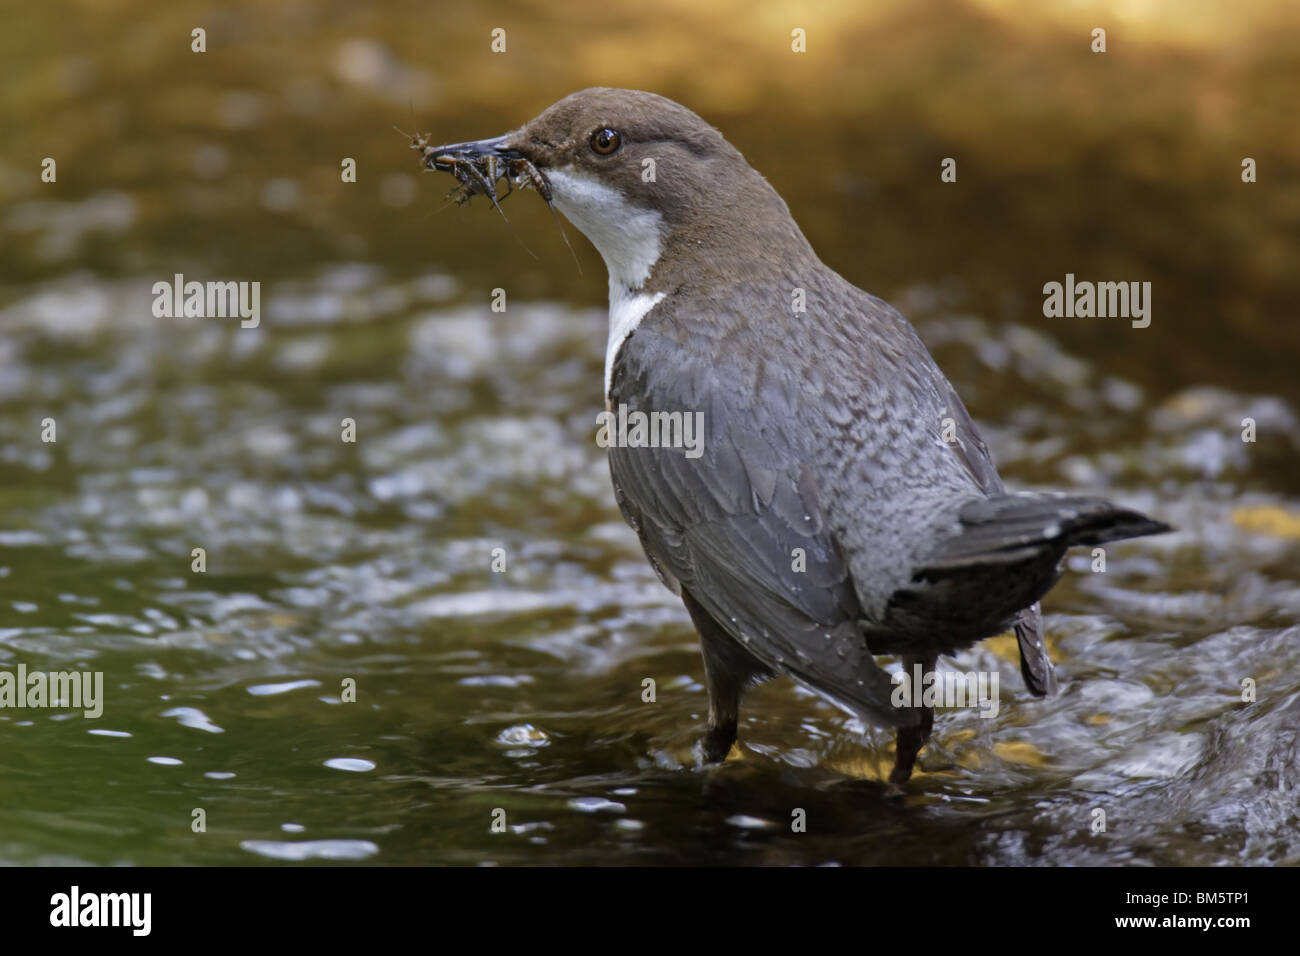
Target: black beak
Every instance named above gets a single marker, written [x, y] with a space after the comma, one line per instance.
[444, 158]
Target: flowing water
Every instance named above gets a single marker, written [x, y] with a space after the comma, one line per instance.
[399, 640]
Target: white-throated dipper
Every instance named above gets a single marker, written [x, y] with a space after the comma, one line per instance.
[844, 504]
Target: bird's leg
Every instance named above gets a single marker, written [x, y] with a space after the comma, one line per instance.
[910, 740]
[727, 670]
[724, 700]
[724, 712]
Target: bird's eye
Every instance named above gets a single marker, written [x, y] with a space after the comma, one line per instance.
[604, 141]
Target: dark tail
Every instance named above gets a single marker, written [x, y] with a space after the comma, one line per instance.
[1033, 530]
[1013, 528]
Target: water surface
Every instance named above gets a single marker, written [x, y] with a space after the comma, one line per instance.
[334, 566]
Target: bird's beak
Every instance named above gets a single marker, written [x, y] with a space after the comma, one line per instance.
[444, 158]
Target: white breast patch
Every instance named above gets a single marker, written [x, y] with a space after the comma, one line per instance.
[626, 310]
[629, 239]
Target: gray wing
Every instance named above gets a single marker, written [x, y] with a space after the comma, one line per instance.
[1035, 663]
[740, 527]
[909, 380]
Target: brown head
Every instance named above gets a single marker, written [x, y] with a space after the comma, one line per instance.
[642, 177]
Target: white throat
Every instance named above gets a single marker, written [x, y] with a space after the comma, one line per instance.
[629, 239]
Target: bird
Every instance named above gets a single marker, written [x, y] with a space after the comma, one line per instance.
[842, 504]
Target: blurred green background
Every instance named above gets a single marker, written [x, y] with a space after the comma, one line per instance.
[1122, 165]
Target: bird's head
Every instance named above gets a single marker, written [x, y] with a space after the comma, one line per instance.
[637, 172]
